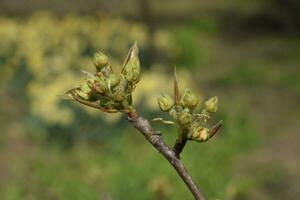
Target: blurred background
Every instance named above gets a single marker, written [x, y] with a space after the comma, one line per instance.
[247, 52]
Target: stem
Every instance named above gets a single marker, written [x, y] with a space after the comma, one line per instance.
[180, 142]
[157, 141]
[179, 146]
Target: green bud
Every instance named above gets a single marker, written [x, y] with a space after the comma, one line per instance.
[101, 85]
[211, 105]
[85, 88]
[113, 80]
[132, 70]
[200, 134]
[106, 71]
[88, 90]
[83, 95]
[100, 60]
[165, 102]
[119, 93]
[184, 118]
[107, 104]
[189, 99]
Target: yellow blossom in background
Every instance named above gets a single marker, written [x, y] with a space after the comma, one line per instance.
[45, 99]
[53, 51]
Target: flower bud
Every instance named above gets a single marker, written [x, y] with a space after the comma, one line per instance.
[83, 95]
[85, 88]
[132, 70]
[113, 80]
[100, 60]
[106, 71]
[200, 134]
[189, 99]
[119, 93]
[184, 118]
[211, 105]
[101, 85]
[165, 102]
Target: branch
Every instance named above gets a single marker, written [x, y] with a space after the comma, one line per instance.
[157, 141]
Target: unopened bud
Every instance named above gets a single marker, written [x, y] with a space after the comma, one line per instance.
[85, 88]
[119, 93]
[113, 80]
[106, 71]
[211, 105]
[100, 60]
[200, 134]
[82, 95]
[184, 118]
[189, 99]
[165, 102]
[132, 70]
[101, 85]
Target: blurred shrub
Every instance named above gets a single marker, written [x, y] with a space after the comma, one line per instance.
[51, 52]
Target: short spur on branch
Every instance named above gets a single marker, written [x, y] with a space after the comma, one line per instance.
[106, 90]
[191, 125]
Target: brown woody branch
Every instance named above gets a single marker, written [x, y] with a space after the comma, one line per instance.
[157, 141]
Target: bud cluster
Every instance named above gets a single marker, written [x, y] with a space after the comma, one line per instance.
[182, 110]
[112, 92]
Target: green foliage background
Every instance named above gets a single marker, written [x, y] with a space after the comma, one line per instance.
[51, 148]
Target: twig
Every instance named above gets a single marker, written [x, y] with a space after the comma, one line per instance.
[179, 146]
[180, 142]
[157, 141]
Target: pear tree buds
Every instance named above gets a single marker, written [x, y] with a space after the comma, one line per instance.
[83, 95]
[101, 85]
[132, 70]
[189, 99]
[199, 134]
[85, 91]
[85, 87]
[211, 105]
[108, 91]
[113, 80]
[165, 102]
[119, 93]
[181, 109]
[131, 67]
[100, 60]
[184, 118]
